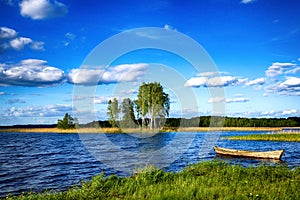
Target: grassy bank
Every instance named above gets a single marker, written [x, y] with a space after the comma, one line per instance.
[289, 137]
[207, 180]
[117, 130]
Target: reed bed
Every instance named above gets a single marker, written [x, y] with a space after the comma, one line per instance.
[206, 180]
[57, 130]
[139, 130]
[288, 137]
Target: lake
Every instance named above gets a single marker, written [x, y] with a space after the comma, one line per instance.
[40, 161]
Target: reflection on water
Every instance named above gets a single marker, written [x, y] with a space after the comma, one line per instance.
[39, 161]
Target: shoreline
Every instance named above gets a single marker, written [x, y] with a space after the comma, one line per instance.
[137, 130]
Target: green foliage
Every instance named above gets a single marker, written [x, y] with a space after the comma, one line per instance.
[205, 121]
[67, 122]
[206, 180]
[128, 117]
[152, 103]
[152, 106]
[113, 112]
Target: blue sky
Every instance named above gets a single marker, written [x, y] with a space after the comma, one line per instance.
[255, 45]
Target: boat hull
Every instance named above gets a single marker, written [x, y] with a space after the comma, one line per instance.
[249, 154]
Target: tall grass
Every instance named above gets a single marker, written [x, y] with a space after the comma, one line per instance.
[207, 180]
[289, 137]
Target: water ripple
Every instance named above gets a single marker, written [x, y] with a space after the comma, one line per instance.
[40, 161]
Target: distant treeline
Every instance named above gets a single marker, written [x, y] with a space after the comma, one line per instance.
[205, 121]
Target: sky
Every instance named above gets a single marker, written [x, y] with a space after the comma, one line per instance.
[46, 48]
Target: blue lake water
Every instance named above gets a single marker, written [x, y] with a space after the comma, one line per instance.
[44, 161]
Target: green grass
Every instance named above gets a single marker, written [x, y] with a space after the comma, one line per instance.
[206, 180]
[289, 137]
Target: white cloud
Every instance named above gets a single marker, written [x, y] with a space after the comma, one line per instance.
[120, 73]
[169, 27]
[37, 45]
[101, 100]
[289, 112]
[216, 100]
[56, 110]
[20, 43]
[9, 40]
[268, 112]
[278, 68]
[293, 71]
[31, 72]
[85, 76]
[247, 1]
[208, 74]
[33, 62]
[290, 82]
[196, 82]
[221, 81]
[42, 9]
[289, 87]
[227, 100]
[6, 33]
[258, 81]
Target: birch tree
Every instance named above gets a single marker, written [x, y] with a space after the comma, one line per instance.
[113, 112]
[152, 103]
[128, 117]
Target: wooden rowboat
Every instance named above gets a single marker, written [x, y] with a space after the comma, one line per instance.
[249, 154]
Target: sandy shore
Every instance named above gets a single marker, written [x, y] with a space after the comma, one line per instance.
[116, 130]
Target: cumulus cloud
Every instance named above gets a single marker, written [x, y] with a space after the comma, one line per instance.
[32, 73]
[9, 40]
[19, 43]
[258, 81]
[120, 73]
[289, 87]
[36, 73]
[221, 81]
[42, 9]
[228, 100]
[196, 82]
[278, 68]
[6, 33]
